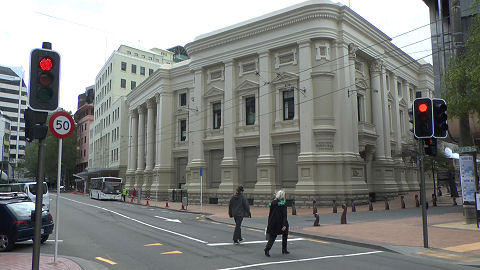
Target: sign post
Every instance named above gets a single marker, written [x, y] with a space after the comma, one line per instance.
[61, 125]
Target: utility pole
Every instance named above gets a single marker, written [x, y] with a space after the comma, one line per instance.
[465, 136]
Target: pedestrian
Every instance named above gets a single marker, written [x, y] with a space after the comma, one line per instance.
[277, 223]
[124, 193]
[238, 208]
[134, 193]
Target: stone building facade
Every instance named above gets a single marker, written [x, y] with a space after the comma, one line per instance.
[312, 99]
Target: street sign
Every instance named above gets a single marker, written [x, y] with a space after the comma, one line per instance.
[464, 149]
[61, 124]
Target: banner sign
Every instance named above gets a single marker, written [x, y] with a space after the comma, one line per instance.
[467, 178]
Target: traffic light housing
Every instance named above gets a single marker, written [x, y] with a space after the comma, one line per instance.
[422, 118]
[440, 125]
[44, 80]
[431, 146]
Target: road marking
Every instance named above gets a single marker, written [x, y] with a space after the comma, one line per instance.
[252, 242]
[464, 248]
[255, 230]
[448, 256]
[153, 245]
[317, 241]
[301, 260]
[233, 226]
[105, 260]
[213, 222]
[172, 252]
[138, 221]
[168, 219]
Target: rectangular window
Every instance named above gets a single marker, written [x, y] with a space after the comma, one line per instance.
[250, 111]
[124, 66]
[123, 83]
[134, 68]
[217, 115]
[399, 89]
[411, 94]
[183, 99]
[150, 71]
[183, 130]
[359, 108]
[142, 70]
[133, 84]
[288, 105]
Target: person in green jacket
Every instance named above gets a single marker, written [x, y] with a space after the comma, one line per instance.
[124, 193]
[277, 223]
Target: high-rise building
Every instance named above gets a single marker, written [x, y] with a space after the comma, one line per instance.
[126, 68]
[84, 118]
[13, 102]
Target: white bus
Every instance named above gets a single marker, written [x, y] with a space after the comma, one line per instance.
[106, 188]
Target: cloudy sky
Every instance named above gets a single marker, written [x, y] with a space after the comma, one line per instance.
[86, 32]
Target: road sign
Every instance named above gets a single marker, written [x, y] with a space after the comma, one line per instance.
[464, 149]
[61, 124]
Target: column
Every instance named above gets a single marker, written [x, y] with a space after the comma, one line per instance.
[140, 147]
[266, 164]
[150, 147]
[377, 107]
[398, 133]
[132, 149]
[386, 117]
[229, 163]
[352, 55]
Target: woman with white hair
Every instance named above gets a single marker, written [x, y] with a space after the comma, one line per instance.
[277, 222]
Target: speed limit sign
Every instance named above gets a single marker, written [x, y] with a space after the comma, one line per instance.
[61, 124]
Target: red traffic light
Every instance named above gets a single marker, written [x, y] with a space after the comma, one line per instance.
[46, 64]
[422, 107]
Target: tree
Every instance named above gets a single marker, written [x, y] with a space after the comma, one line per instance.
[69, 157]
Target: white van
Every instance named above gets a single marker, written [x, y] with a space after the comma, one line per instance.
[31, 190]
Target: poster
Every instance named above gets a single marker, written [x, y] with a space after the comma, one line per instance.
[467, 178]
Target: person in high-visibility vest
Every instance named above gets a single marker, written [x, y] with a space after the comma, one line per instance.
[124, 193]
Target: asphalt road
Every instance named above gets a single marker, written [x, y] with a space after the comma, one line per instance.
[115, 235]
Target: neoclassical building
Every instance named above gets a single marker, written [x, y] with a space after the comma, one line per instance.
[312, 99]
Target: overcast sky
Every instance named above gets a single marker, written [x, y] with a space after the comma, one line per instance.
[86, 32]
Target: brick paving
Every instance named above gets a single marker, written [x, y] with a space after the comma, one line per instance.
[22, 261]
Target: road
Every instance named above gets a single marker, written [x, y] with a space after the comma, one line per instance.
[118, 235]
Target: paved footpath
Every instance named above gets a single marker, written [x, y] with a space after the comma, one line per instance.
[398, 230]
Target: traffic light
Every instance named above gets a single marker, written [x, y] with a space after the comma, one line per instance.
[422, 118]
[44, 80]
[440, 126]
[431, 146]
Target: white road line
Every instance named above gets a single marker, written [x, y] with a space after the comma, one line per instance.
[252, 242]
[138, 221]
[301, 260]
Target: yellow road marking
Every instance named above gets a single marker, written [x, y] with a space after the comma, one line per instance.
[105, 260]
[153, 245]
[233, 226]
[215, 222]
[172, 252]
[255, 230]
[317, 241]
[448, 256]
[464, 248]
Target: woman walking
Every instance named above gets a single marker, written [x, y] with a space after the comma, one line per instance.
[277, 223]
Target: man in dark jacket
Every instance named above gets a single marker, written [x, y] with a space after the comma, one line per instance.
[238, 209]
[277, 223]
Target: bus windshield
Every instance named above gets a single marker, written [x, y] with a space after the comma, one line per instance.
[111, 187]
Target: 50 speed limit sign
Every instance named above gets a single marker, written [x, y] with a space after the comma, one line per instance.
[61, 124]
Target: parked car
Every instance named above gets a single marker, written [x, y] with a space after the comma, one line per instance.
[31, 191]
[16, 224]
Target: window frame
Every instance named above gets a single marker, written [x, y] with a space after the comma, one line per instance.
[216, 115]
[289, 104]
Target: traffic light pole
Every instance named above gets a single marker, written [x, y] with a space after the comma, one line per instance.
[423, 196]
[38, 205]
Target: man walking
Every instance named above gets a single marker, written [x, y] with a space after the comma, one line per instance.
[238, 209]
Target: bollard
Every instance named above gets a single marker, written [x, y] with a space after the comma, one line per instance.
[387, 206]
[334, 206]
[370, 206]
[417, 202]
[294, 209]
[343, 220]
[314, 207]
[434, 200]
[316, 222]
[402, 200]
[166, 203]
[354, 209]
[183, 207]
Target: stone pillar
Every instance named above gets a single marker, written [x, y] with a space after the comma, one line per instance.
[229, 163]
[164, 168]
[306, 157]
[377, 107]
[352, 55]
[266, 164]
[150, 147]
[399, 165]
[140, 147]
[196, 127]
[386, 118]
[132, 150]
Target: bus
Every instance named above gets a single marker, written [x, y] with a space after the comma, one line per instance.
[106, 188]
